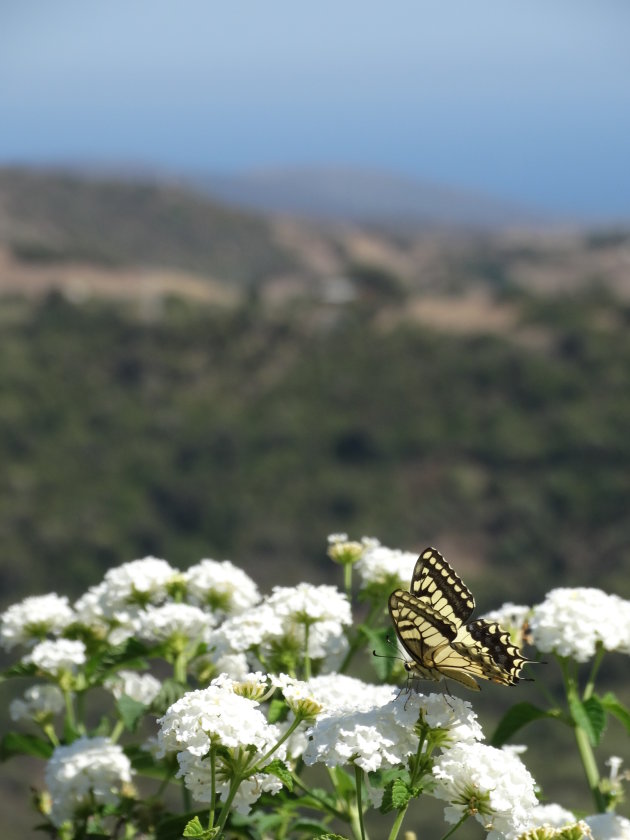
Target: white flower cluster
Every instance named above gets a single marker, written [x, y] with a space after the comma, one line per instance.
[32, 619]
[38, 702]
[492, 784]
[286, 620]
[54, 656]
[222, 586]
[143, 688]
[571, 622]
[168, 621]
[373, 726]
[112, 608]
[88, 771]
[219, 717]
[608, 827]
[385, 567]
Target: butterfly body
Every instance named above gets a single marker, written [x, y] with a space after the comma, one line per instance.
[431, 622]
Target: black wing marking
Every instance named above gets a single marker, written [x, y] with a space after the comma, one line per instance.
[434, 582]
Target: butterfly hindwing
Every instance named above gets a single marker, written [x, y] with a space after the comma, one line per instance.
[430, 622]
[490, 646]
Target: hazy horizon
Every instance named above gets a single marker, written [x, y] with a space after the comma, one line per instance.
[529, 104]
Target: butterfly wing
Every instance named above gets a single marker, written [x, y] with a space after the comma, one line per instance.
[434, 583]
[430, 622]
[491, 653]
[427, 636]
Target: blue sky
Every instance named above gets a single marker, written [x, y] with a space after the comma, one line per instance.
[524, 100]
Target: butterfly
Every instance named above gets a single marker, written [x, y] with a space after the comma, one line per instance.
[432, 623]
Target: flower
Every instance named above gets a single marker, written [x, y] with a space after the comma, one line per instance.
[222, 587]
[373, 737]
[322, 609]
[343, 551]
[452, 714]
[278, 627]
[140, 581]
[335, 692]
[551, 814]
[33, 619]
[56, 655]
[87, 772]
[214, 716]
[173, 621]
[609, 827]
[197, 774]
[220, 716]
[37, 703]
[571, 622]
[110, 610]
[491, 784]
[385, 567]
[143, 688]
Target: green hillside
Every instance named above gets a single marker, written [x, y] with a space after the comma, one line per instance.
[253, 434]
[56, 217]
[473, 394]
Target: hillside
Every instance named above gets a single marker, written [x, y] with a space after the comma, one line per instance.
[135, 240]
[177, 399]
[469, 391]
[366, 196]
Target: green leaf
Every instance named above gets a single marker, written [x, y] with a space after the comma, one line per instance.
[590, 716]
[131, 711]
[278, 711]
[329, 836]
[14, 743]
[610, 702]
[171, 827]
[344, 783]
[19, 670]
[170, 691]
[281, 771]
[131, 654]
[311, 828]
[516, 718]
[395, 796]
[385, 654]
[195, 829]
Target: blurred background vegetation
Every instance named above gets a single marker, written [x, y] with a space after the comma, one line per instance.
[187, 380]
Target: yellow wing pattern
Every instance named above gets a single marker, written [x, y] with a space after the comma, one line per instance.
[429, 621]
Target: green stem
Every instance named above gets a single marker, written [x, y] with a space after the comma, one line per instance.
[581, 736]
[358, 780]
[465, 816]
[179, 667]
[213, 795]
[49, 731]
[325, 806]
[260, 763]
[225, 807]
[307, 658]
[186, 798]
[590, 685]
[70, 715]
[400, 816]
[347, 579]
[355, 642]
[117, 731]
[590, 768]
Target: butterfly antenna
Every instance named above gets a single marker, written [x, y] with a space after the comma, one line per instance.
[388, 656]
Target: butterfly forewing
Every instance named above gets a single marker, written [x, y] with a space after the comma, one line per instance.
[430, 622]
[434, 582]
